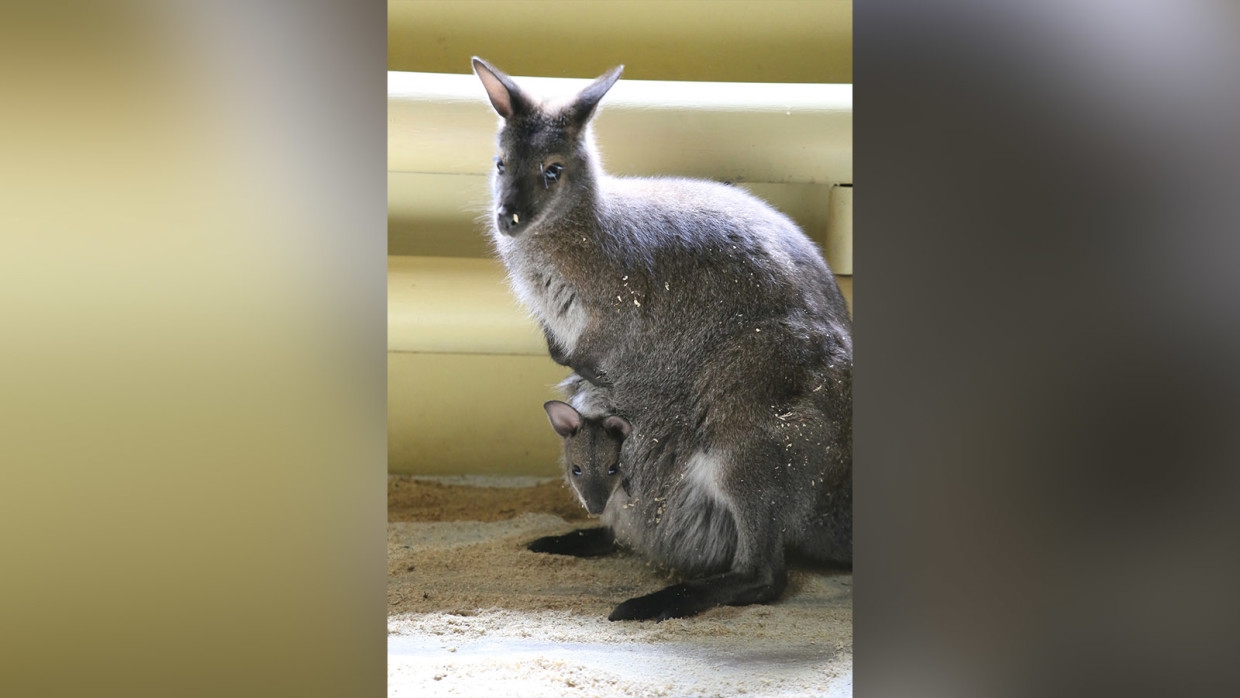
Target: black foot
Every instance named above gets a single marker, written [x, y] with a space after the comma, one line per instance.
[673, 602]
[696, 595]
[586, 542]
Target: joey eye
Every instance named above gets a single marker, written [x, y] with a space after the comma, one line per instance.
[551, 174]
[499, 165]
[576, 470]
[613, 469]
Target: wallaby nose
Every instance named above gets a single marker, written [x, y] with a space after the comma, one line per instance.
[508, 219]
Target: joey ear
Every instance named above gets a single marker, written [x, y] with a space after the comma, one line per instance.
[505, 96]
[587, 100]
[617, 425]
[564, 419]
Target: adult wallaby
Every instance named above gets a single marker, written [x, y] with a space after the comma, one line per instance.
[591, 453]
[711, 323]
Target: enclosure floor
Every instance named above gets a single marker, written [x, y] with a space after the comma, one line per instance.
[472, 613]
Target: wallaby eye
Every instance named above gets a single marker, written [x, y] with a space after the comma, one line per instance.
[551, 174]
[613, 468]
[499, 165]
[576, 470]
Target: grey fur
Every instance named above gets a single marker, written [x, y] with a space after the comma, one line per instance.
[591, 453]
[709, 321]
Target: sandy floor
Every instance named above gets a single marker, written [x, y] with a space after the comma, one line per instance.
[472, 613]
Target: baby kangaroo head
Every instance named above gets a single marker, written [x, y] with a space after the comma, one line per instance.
[591, 452]
[545, 162]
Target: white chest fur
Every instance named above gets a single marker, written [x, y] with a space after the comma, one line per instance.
[548, 297]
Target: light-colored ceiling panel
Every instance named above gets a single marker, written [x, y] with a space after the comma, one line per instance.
[712, 40]
[443, 124]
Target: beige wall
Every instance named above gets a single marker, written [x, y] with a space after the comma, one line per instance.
[712, 40]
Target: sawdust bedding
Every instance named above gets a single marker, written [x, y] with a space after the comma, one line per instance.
[459, 577]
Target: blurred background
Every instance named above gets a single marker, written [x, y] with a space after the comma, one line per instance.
[192, 262]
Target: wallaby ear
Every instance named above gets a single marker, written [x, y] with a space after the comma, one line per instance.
[564, 419]
[506, 97]
[583, 106]
[617, 425]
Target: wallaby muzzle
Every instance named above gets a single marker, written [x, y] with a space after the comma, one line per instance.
[508, 221]
[595, 507]
[594, 495]
[511, 219]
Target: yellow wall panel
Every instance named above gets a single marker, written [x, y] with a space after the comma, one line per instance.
[446, 305]
[728, 40]
[451, 414]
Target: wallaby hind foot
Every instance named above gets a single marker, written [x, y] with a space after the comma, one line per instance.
[585, 542]
[691, 597]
